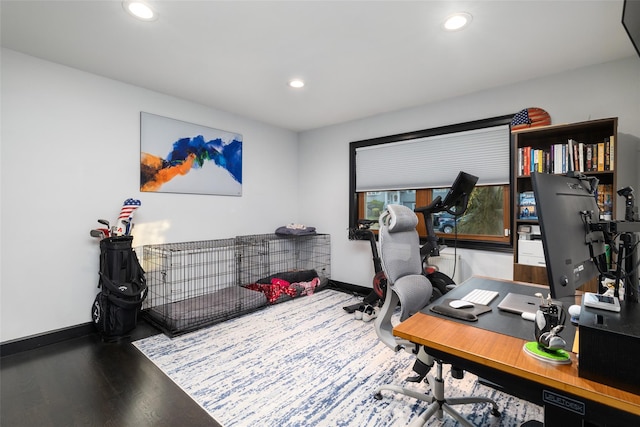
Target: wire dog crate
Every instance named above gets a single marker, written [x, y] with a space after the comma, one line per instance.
[196, 284]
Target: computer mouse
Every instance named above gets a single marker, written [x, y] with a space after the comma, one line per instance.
[528, 316]
[458, 303]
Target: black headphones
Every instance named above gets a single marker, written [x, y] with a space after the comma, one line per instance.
[546, 333]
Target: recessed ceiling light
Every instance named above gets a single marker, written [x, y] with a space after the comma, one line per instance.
[139, 10]
[457, 21]
[296, 83]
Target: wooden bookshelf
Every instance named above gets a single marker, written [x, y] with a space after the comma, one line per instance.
[546, 144]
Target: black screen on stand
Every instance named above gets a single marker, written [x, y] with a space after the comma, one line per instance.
[563, 204]
[455, 202]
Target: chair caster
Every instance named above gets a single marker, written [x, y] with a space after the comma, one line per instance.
[495, 413]
[377, 396]
[457, 373]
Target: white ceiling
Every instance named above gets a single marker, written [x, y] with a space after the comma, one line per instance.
[358, 58]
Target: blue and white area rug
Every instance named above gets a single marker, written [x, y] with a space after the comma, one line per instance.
[307, 362]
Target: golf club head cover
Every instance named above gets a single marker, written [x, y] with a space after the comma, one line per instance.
[124, 224]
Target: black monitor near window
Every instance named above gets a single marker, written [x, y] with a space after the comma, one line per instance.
[456, 200]
[566, 208]
[455, 203]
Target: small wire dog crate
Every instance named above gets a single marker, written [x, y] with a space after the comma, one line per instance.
[263, 255]
[195, 284]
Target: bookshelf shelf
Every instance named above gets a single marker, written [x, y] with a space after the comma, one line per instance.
[559, 149]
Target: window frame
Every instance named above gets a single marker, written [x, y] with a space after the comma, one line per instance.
[492, 243]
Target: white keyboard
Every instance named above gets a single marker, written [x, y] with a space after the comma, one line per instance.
[480, 296]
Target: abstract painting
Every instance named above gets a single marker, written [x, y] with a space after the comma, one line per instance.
[181, 157]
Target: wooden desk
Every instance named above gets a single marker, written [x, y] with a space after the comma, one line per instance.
[500, 358]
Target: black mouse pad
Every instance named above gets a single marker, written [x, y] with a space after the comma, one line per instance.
[447, 310]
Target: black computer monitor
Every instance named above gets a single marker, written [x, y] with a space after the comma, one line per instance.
[455, 202]
[565, 207]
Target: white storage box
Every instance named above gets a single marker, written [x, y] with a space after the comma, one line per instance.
[530, 252]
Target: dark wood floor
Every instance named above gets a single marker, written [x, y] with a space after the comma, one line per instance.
[86, 382]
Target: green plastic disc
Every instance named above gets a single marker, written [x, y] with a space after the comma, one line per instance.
[557, 356]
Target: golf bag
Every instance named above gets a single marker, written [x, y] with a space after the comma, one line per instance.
[123, 288]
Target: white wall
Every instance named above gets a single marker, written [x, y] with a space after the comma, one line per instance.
[607, 90]
[70, 155]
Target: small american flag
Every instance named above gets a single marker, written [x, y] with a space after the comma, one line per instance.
[530, 117]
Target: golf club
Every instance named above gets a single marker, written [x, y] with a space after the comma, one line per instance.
[105, 231]
[97, 233]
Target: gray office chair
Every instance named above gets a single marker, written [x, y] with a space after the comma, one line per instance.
[407, 286]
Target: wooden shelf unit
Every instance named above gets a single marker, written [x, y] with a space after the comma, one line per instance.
[589, 132]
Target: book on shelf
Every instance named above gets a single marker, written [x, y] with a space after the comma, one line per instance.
[570, 156]
[527, 206]
[575, 154]
[612, 153]
[600, 156]
[566, 157]
[604, 198]
[609, 153]
[581, 156]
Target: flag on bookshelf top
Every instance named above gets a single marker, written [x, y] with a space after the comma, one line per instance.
[530, 117]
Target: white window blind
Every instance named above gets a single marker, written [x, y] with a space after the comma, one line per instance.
[434, 161]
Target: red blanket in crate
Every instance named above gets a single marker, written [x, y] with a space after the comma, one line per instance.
[279, 286]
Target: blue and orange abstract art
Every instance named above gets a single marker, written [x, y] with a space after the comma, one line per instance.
[181, 157]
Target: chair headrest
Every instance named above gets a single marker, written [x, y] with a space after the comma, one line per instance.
[401, 218]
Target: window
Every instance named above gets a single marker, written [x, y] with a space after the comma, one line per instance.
[375, 202]
[412, 169]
